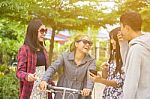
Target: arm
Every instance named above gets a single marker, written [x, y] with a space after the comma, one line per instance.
[21, 72]
[53, 68]
[90, 84]
[124, 47]
[106, 82]
[49, 72]
[99, 79]
[103, 78]
[133, 66]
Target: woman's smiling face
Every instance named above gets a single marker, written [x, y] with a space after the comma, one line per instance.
[84, 44]
[41, 33]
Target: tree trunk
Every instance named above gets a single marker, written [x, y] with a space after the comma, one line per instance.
[51, 46]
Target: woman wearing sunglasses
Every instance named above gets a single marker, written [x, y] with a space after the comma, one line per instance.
[112, 72]
[76, 64]
[32, 61]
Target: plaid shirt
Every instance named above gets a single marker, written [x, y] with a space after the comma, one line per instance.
[26, 64]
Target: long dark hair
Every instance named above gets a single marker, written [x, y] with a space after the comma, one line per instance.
[115, 52]
[31, 38]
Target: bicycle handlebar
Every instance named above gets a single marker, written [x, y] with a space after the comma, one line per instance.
[64, 89]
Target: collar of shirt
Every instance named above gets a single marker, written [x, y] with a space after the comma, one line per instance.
[87, 57]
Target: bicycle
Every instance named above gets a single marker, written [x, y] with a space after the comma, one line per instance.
[63, 90]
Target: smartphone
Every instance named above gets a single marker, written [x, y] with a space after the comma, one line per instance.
[93, 71]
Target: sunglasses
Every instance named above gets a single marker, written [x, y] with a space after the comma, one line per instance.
[42, 30]
[86, 42]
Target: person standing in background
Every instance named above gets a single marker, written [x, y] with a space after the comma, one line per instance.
[32, 61]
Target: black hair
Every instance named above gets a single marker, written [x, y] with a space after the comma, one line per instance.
[31, 38]
[115, 52]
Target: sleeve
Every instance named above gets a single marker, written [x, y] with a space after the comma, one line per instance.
[90, 84]
[53, 68]
[21, 72]
[124, 47]
[133, 66]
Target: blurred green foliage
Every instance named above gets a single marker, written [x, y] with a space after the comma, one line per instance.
[8, 83]
[11, 37]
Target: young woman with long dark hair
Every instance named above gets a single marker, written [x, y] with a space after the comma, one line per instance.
[112, 74]
[32, 61]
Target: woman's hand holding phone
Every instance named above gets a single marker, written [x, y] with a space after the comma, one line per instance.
[95, 78]
[93, 71]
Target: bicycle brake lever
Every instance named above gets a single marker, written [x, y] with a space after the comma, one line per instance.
[49, 87]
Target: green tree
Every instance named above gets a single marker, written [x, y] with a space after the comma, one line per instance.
[61, 15]
[11, 35]
[142, 6]
[13, 17]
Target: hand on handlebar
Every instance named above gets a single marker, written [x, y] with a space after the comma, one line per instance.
[86, 92]
[43, 85]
